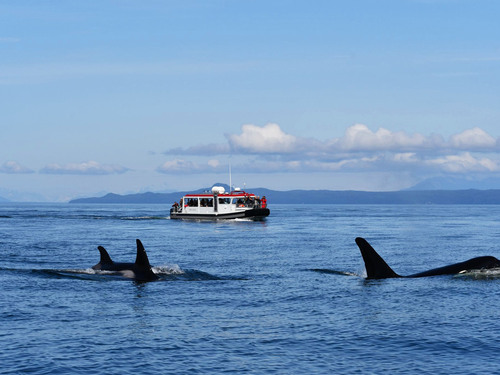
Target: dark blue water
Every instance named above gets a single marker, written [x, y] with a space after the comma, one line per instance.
[242, 296]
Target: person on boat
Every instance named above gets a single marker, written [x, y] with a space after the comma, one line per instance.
[264, 201]
[251, 202]
[175, 206]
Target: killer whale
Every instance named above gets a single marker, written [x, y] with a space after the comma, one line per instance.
[140, 270]
[377, 268]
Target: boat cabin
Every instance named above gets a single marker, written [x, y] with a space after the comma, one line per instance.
[219, 204]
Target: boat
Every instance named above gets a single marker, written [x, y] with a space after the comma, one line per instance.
[218, 204]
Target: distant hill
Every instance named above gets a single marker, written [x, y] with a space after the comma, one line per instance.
[471, 196]
[129, 198]
[456, 183]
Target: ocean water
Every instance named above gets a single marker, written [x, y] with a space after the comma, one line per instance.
[247, 297]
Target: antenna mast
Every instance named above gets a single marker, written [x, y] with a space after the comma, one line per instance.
[230, 182]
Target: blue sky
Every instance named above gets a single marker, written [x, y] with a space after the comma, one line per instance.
[133, 96]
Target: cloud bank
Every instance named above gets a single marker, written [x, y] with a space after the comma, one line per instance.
[181, 166]
[270, 149]
[85, 168]
[13, 167]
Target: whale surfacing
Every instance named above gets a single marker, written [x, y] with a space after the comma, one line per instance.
[377, 268]
[140, 270]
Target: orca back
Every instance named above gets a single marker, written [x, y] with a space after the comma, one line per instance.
[377, 268]
[139, 270]
[479, 263]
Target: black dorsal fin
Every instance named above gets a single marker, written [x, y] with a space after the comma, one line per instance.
[376, 267]
[105, 258]
[142, 257]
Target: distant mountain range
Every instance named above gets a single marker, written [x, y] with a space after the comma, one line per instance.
[455, 183]
[440, 190]
[471, 196]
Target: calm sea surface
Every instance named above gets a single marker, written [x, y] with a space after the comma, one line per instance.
[244, 297]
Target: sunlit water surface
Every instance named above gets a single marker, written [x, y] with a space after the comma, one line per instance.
[282, 296]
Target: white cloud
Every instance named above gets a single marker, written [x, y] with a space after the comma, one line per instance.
[13, 167]
[176, 165]
[406, 157]
[85, 168]
[181, 166]
[465, 163]
[207, 150]
[268, 139]
[473, 139]
[360, 138]
[213, 163]
[270, 149]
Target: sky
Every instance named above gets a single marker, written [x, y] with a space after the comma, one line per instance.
[129, 96]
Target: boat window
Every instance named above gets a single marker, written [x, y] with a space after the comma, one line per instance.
[224, 200]
[192, 202]
[245, 201]
[207, 202]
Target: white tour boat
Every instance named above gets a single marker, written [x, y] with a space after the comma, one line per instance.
[218, 204]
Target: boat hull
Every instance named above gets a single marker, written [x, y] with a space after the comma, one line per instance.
[253, 214]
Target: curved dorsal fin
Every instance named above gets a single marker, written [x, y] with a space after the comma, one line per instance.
[105, 258]
[376, 267]
[142, 257]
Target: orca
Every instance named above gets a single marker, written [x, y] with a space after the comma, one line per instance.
[377, 268]
[140, 270]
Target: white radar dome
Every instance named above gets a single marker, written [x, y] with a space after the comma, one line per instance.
[218, 190]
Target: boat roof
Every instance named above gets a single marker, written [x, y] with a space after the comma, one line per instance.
[235, 193]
